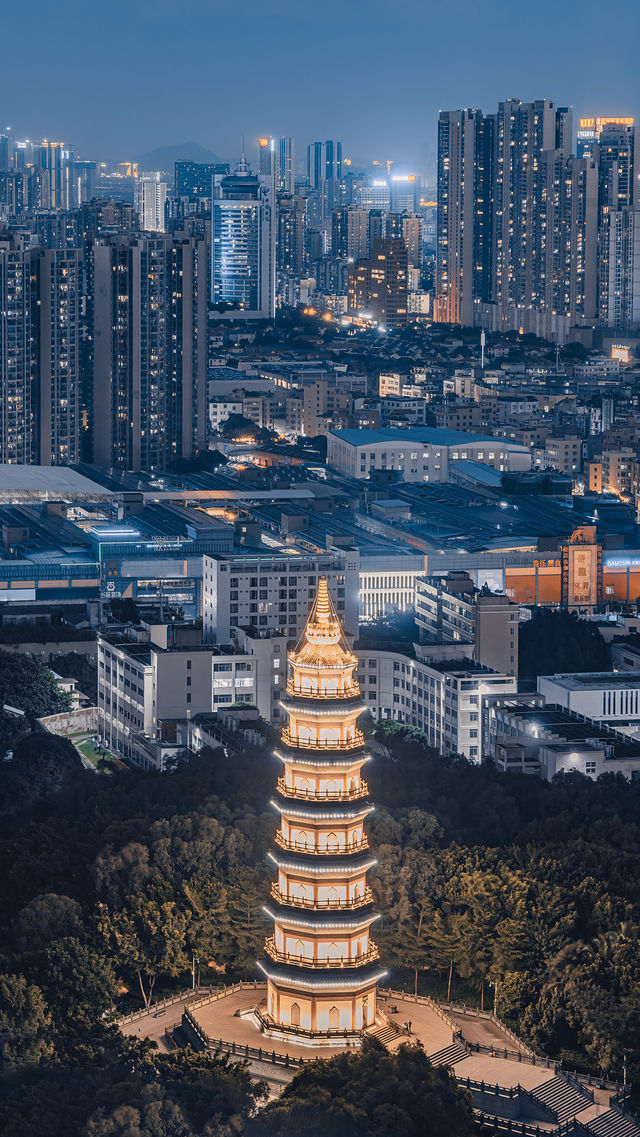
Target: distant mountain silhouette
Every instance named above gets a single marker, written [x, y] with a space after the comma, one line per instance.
[164, 157]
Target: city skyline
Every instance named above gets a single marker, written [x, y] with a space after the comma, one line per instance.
[568, 67]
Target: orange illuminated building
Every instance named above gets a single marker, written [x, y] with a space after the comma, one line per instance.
[321, 965]
[576, 575]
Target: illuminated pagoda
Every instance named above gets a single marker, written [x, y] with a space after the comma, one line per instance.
[321, 964]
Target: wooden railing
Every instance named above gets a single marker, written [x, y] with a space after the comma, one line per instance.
[322, 905]
[321, 850]
[353, 794]
[307, 961]
[353, 743]
[351, 692]
[267, 1023]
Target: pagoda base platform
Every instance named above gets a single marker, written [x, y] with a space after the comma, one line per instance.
[236, 1018]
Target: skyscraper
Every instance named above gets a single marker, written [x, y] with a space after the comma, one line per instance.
[321, 965]
[243, 247]
[194, 179]
[15, 352]
[56, 282]
[617, 153]
[621, 290]
[516, 220]
[266, 157]
[464, 215]
[285, 166]
[149, 369]
[324, 170]
[149, 197]
[379, 286]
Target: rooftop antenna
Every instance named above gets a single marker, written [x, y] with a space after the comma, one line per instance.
[483, 340]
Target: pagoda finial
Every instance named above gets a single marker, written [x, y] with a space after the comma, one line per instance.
[323, 625]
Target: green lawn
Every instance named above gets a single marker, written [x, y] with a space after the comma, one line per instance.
[90, 751]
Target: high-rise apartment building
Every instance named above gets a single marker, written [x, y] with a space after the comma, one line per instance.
[517, 220]
[15, 352]
[149, 198]
[195, 179]
[149, 372]
[379, 286]
[620, 291]
[522, 132]
[290, 235]
[285, 166]
[267, 157]
[464, 215]
[324, 171]
[56, 283]
[617, 152]
[243, 247]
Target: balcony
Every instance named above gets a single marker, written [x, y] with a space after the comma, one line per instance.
[354, 902]
[324, 851]
[351, 692]
[306, 961]
[294, 792]
[353, 743]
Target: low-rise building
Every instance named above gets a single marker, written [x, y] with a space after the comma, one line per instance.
[274, 592]
[153, 680]
[452, 609]
[611, 697]
[442, 697]
[420, 454]
[522, 734]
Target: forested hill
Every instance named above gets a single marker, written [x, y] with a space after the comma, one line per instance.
[112, 883]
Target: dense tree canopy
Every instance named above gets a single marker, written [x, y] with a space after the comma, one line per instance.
[553, 642]
[110, 885]
[371, 1093]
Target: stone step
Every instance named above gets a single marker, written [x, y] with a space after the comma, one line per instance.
[561, 1097]
[613, 1123]
[449, 1055]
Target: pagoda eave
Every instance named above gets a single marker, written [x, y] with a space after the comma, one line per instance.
[319, 920]
[346, 979]
[321, 810]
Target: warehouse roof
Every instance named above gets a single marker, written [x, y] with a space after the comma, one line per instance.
[54, 481]
[426, 434]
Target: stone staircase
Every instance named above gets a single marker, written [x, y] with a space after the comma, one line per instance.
[563, 1099]
[385, 1033]
[449, 1055]
[613, 1123]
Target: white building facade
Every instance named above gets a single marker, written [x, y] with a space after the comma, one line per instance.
[275, 592]
[422, 454]
[443, 698]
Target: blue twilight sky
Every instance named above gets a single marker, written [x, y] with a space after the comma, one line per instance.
[118, 78]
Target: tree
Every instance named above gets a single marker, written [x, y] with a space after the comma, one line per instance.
[149, 938]
[559, 641]
[24, 1021]
[46, 918]
[30, 687]
[372, 1093]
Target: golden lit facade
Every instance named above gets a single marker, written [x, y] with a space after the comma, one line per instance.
[321, 964]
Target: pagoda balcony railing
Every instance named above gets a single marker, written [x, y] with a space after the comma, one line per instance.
[353, 743]
[322, 850]
[348, 904]
[350, 692]
[310, 961]
[355, 793]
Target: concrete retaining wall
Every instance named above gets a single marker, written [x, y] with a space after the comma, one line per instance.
[84, 720]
